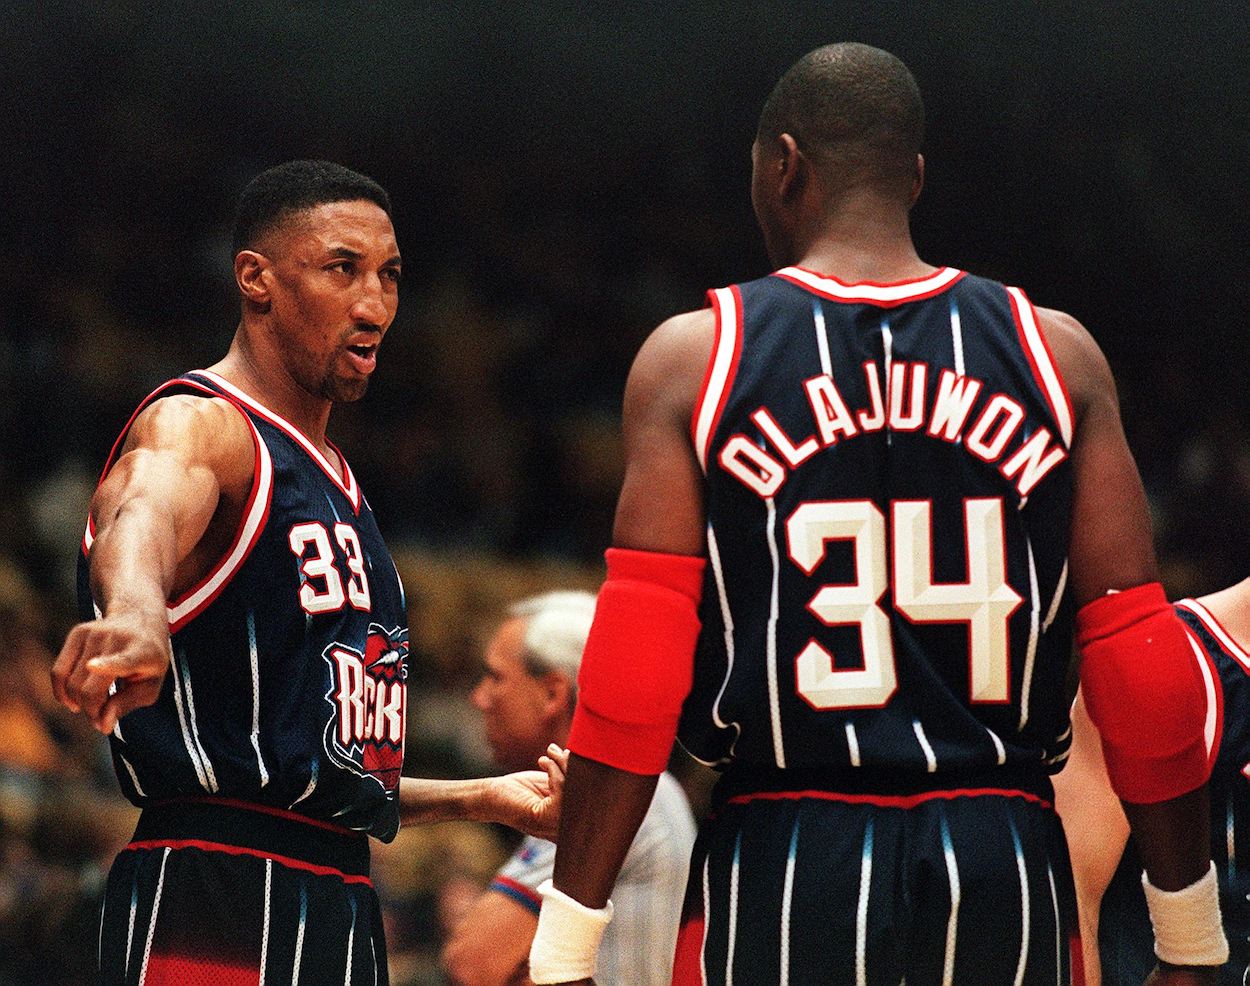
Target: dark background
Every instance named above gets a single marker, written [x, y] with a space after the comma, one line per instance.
[565, 176]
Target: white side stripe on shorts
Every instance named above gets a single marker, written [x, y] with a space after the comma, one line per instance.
[264, 934]
[787, 895]
[952, 875]
[156, 906]
[861, 912]
[1024, 908]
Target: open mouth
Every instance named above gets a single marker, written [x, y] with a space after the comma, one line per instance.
[363, 357]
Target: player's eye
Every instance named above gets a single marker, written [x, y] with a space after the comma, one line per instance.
[392, 274]
[342, 266]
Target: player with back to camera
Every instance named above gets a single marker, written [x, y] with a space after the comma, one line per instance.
[245, 640]
[865, 499]
[1115, 924]
[526, 696]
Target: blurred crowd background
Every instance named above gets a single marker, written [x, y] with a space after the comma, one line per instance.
[564, 178]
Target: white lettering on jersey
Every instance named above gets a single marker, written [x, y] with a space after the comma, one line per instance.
[999, 422]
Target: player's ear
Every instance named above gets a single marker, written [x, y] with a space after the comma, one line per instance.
[251, 273]
[918, 181]
[791, 164]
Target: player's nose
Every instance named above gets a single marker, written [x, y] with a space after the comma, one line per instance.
[370, 306]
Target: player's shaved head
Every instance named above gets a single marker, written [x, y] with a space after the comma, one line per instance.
[276, 196]
[853, 104]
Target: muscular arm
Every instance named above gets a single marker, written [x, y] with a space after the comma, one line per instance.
[1111, 549]
[183, 459]
[660, 509]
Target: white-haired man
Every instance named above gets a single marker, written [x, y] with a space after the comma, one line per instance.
[526, 696]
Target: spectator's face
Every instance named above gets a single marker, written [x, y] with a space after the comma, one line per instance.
[518, 709]
[333, 280]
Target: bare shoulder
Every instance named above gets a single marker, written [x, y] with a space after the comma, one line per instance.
[199, 431]
[1081, 361]
[672, 362]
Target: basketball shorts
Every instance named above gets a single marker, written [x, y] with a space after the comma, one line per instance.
[971, 885]
[214, 893]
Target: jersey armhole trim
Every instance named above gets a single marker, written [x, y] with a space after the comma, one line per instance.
[721, 370]
[1042, 362]
[1213, 727]
[1216, 629]
[191, 603]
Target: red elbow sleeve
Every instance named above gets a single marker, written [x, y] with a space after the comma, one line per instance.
[1144, 684]
[639, 660]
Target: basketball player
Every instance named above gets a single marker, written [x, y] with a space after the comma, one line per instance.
[891, 487]
[1107, 871]
[245, 642]
[526, 697]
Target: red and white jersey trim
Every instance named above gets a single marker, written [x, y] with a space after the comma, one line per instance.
[1045, 370]
[872, 292]
[186, 607]
[726, 351]
[346, 482]
[1213, 725]
[1225, 638]
[191, 603]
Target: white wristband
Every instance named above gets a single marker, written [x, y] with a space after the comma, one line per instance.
[1187, 922]
[566, 943]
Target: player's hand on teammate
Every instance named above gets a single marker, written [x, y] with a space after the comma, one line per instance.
[129, 649]
[1176, 975]
[530, 800]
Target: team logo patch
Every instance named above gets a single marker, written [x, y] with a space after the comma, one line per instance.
[369, 693]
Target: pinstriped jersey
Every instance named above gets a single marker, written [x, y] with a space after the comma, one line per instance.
[288, 684]
[888, 496]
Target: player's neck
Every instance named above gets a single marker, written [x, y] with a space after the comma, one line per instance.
[860, 238]
[267, 381]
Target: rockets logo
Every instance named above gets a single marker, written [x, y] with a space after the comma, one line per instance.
[369, 694]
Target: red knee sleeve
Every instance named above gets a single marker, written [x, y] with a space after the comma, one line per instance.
[1145, 692]
[639, 660]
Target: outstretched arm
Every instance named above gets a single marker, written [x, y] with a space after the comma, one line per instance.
[528, 800]
[184, 459]
[1141, 683]
[660, 511]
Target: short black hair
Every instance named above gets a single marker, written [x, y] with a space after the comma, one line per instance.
[850, 97]
[275, 194]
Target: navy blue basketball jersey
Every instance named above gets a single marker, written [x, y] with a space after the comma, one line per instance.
[888, 496]
[288, 686]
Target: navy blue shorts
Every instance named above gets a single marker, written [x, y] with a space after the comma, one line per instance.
[213, 893]
[970, 885]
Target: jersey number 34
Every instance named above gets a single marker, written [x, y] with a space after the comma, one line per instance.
[984, 602]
